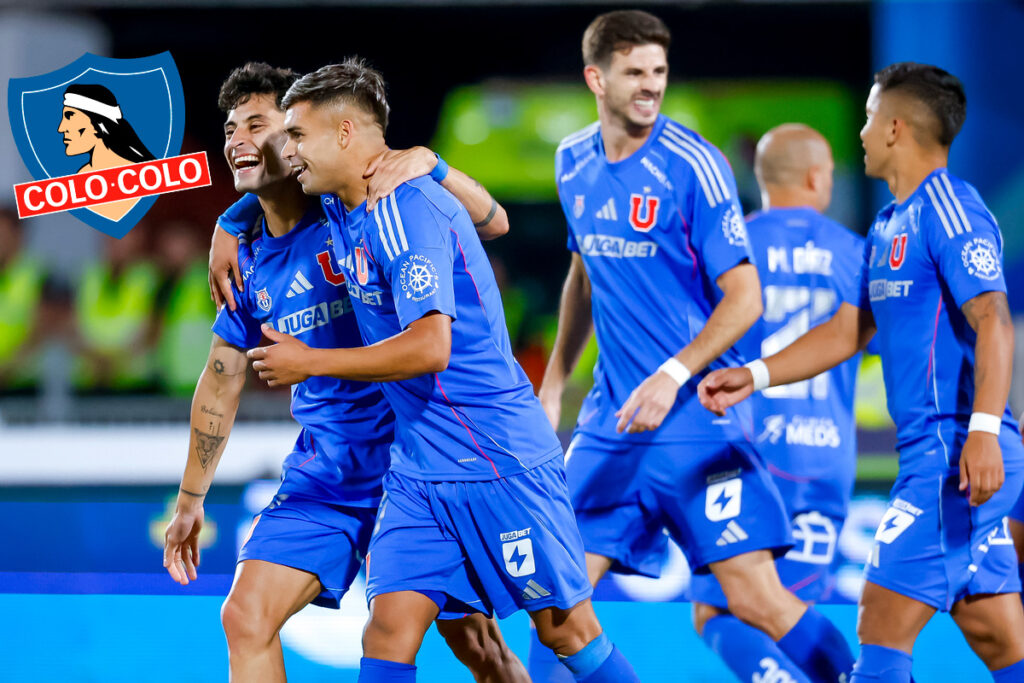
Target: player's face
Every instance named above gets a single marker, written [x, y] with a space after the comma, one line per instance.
[253, 140]
[634, 84]
[79, 134]
[874, 135]
[313, 148]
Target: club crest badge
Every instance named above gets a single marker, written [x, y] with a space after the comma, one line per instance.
[263, 299]
[102, 138]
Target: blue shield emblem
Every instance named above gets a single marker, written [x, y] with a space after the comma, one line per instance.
[97, 113]
[263, 299]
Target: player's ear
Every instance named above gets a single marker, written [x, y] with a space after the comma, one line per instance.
[344, 131]
[594, 78]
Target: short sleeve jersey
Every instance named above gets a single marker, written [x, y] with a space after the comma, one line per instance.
[292, 284]
[809, 265]
[415, 254]
[654, 231]
[925, 258]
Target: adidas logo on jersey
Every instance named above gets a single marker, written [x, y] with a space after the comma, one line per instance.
[608, 212]
[733, 533]
[300, 285]
[534, 591]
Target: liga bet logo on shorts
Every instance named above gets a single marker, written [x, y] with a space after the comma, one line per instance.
[102, 139]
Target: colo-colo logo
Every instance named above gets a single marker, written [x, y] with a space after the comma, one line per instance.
[115, 145]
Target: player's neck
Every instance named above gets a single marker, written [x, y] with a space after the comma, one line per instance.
[283, 207]
[788, 198]
[352, 185]
[908, 173]
[621, 140]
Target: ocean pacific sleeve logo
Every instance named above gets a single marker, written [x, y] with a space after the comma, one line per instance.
[417, 277]
[733, 227]
[981, 259]
[102, 139]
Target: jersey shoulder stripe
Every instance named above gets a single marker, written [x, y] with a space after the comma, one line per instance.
[579, 136]
[705, 150]
[947, 206]
[703, 165]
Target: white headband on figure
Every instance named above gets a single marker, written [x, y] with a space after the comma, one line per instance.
[84, 103]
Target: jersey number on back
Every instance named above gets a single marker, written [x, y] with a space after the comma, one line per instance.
[798, 307]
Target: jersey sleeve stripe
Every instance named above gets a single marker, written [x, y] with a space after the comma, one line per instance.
[956, 202]
[707, 155]
[390, 228]
[380, 231]
[940, 192]
[696, 169]
[578, 136]
[399, 226]
[695, 152]
[939, 211]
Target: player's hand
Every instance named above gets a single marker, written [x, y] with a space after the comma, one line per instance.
[224, 268]
[181, 543]
[981, 466]
[648, 405]
[722, 389]
[283, 362]
[551, 402]
[392, 168]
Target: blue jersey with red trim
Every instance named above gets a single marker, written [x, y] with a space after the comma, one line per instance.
[654, 231]
[925, 258]
[415, 254]
[806, 432]
[290, 283]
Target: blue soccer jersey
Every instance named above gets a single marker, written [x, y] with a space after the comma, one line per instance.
[416, 253]
[806, 431]
[292, 284]
[925, 258]
[654, 231]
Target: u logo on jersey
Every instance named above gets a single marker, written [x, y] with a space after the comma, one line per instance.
[362, 269]
[324, 259]
[899, 251]
[650, 212]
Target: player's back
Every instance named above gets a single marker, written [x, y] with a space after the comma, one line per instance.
[927, 257]
[418, 253]
[654, 231]
[808, 265]
[290, 283]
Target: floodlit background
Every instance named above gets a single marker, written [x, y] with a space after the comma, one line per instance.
[101, 341]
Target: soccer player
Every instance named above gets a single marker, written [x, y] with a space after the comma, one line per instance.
[308, 544]
[934, 290]
[663, 271]
[475, 515]
[808, 265]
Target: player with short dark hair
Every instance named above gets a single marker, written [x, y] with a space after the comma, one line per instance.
[808, 265]
[663, 271]
[934, 298]
[308, 544]
[476, 515]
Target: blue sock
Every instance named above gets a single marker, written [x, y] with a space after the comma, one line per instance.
[600, 662]
[817, 647]
[879, 664]
[383, 671]
[749, 652]
[544, 664]
[1014, 672]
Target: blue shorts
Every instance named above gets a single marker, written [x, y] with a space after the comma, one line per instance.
[807, 570]
[716, 499]
[932, 546]
[327, 540]
[490, 546]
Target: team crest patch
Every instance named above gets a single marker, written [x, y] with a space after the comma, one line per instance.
[418, 277]
[733, 227]
[102, 139]
[981, 259]
[263, 299]
[577, 207]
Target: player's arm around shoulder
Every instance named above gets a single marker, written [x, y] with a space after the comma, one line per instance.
[224, 268]
[214, 406]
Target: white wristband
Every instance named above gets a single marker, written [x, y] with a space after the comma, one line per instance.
[760, 372]
[676, 370]
[984, 422]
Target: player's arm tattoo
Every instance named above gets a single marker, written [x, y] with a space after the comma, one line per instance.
[490, 214]
[987, 304]
[218, 366]
[210, 411]
[207, 445]
[192, 493]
